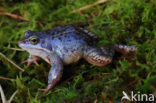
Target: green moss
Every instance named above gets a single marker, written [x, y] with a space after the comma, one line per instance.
[116, 21]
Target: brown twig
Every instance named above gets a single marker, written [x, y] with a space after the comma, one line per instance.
[154, 88]
[109, 101]
[126, 56]
[131, 83]
[2, 10]
[151, 41]
[4, 78]
[16, 49]
[15, 16]
[96, 100]
[97, 74]
[89, 6]
[40, 24]
[1, 54]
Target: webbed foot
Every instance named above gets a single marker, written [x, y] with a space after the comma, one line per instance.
[31, 59]
[45, 91]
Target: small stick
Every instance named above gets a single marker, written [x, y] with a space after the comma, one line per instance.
[40, 24]
[96, 100]
[131, 83]
[16, 49]
[14, 16]
[1, 54]
[153, 87]
[89, 6]
[101, 74]
[126, 56]
[109, 101]
[151, 41]
[4, 78]
[1, 9]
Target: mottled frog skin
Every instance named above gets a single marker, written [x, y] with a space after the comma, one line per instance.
[65, 45]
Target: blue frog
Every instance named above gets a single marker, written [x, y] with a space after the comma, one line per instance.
[64, 45]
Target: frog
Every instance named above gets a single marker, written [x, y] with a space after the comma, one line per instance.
[64, 45]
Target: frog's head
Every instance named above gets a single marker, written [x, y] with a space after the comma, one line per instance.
[34, 43]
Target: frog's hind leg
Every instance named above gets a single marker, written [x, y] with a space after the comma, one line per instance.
[98, 56]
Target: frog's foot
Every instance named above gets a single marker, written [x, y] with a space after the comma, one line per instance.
[45, 91]
[40, 89]
[125, 48]
[30, 60]
[97, 56]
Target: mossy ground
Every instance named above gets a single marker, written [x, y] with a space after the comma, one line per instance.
[130, 22]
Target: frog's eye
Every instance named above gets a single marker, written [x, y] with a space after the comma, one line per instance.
[34, 40]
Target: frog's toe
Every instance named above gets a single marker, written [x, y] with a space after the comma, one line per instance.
[23, 62]
[45, 91]
[29, 62]
[40, 89]
[35, 62]
[125, 48]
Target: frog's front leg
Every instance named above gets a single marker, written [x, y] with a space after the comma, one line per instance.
[31, 59]
[55, 72]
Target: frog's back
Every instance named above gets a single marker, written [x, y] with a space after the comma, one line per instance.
[66, 35]
[68, 42]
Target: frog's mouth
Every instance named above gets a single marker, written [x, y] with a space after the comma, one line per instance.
[32, 48]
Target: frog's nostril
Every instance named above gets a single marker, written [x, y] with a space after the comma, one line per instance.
[21, 42]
